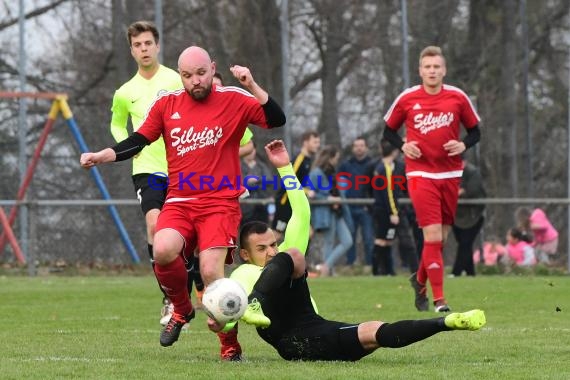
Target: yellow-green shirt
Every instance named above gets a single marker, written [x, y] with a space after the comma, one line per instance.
[296, 233]
[133, 99]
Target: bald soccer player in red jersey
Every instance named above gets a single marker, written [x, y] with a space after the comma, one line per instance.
[201, 125]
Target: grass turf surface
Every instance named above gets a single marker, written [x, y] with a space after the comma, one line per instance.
[107, 328]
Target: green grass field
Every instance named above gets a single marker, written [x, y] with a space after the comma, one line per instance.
[107, 328]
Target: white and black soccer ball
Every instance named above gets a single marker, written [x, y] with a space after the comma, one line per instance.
[224, 300]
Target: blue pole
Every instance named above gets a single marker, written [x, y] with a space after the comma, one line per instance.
[99, 181]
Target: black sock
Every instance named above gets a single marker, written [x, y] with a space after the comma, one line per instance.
[151, 254]
[403, 333]
[388, 261]
[196, 274]
[376, 260]
[275, 273]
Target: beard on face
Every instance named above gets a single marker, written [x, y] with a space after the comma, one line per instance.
[202, 94]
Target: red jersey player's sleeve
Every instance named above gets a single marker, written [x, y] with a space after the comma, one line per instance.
[469, 117]
[254, 112]
[396, 114]
[151, 127]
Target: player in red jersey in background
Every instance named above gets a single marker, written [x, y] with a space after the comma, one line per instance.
[201, 125]
[432, 113]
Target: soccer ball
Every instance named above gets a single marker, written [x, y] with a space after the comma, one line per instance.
[224, 300]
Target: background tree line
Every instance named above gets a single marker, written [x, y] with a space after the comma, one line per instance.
[345, 69]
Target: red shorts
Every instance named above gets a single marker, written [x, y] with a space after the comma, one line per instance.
[203, 223]
[434, 200]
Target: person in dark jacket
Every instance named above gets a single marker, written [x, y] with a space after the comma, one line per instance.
[468, 219]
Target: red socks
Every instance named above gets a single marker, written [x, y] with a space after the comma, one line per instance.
[173, 279]
[432, 266]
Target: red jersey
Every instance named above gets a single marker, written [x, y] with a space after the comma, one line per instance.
[432, 120]
[202, 140]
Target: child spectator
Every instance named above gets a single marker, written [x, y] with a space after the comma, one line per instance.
[519, 251]
[544, 235]
[493, 252]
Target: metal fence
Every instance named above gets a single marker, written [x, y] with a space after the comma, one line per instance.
[81, 231]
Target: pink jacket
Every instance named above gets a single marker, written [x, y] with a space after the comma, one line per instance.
[491, 253]
[521, 253]
[542, 229]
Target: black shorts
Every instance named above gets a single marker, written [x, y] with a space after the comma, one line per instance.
[320, 339]
[151, 194]
[282, 215]
[383, 228]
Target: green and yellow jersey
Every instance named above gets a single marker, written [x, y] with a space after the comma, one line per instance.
[247, 135]
[133, 99]
[296, 234]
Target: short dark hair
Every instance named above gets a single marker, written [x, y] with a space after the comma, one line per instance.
[139, 27]
[516, 233]
[360, 138]
[520, 234]
[250, 228]
[386, 147]
[306, 136]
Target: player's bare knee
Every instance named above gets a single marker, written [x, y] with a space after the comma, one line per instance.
[162, 255]
[433, 232]
[165, 251]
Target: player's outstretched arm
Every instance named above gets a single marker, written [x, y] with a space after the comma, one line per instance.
[88, 160]
[298, 228]
[122, 151]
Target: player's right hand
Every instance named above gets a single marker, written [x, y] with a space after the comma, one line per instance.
[88, 160]
[411, 150]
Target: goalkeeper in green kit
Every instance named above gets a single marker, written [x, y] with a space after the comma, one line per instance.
[281, 306]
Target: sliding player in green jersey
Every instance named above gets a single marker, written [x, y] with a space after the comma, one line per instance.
[276, 280]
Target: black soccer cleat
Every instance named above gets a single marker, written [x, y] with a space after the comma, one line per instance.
[171, 331]
[441, 306]
[422, 301]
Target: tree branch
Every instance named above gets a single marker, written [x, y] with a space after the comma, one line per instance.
[32, 14]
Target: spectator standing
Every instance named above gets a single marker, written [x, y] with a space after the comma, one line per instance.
[358, 166]
[329, 219]
[385, 211]
[407, 231]
[469, 219]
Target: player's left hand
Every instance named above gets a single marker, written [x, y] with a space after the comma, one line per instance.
[277, 153]
[243, 75]
[454, 147]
